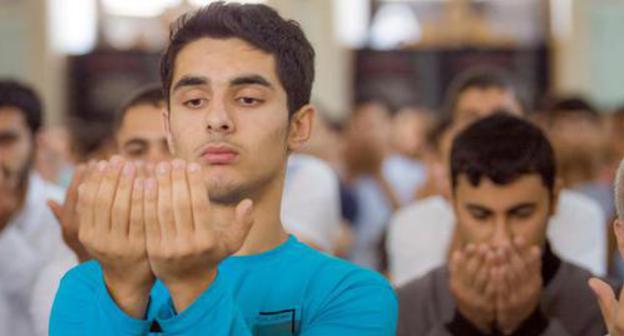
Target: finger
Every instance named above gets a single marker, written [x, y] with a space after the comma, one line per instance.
[535, 260]
[234, 236]
[150, 169]
[120, 215]
[473, 264]
[502, 289]
[86, 198]
[181, 199]
[72, 190]
[518, 268]
[56, 209]
[106, 195]
[150, 214]
[606, 300]
[136, 231]
[200, 203]
[491, 286]
[483, 273]
[165, 210]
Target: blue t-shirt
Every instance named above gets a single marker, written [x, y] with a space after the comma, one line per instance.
[290, 290]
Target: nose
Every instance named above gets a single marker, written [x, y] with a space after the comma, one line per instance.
[501, 235]
[219, 119]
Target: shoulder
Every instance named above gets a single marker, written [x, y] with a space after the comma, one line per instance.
[332, 269]
[304, 166]
[432, 214]
[421, 289]
[338, 291]
[429, 207]
[568, 289]
[578, 204]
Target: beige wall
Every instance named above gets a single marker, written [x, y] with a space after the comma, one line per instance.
[333, 67]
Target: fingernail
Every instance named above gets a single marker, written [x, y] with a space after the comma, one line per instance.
[101, 166]
[128, 169]
[162, 168]
[193, 167]
[116, 162]
[178, 164]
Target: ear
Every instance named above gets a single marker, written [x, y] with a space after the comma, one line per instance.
[167, 126]
[554, 204]
[301, 123]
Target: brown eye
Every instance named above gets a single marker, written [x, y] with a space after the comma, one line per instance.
[194, 103]
[249, 101]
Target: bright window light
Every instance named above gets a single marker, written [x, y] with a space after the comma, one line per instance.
[199, 3]
[351, 22]
[394, 24]
[72, 25]
[138, 8]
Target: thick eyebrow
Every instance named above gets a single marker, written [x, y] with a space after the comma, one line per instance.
[190, 81]
[251, 80]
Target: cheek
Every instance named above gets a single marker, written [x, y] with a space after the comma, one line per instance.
[472, 230]
[17, 154]
[532, 229]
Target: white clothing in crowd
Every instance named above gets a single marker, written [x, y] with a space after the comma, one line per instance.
[311, 201]
[404, 176]
[28, 243]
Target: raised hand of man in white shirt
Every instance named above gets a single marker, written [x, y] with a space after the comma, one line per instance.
[611, 307]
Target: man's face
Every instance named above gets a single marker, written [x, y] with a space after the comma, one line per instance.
[228, 112]
[142, 136]
[16, 143]
[496, 214]
[475, 103]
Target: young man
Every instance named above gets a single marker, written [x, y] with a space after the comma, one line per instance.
[200, 248]
[29, 235]
[139, 129]
[502, 277]
[577, 231]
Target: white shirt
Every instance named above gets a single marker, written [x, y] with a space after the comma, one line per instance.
[311, 201]
[420, 234]
[374, 209]
[30, 240]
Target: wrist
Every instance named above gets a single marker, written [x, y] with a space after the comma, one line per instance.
[186, 290]
[132, 298]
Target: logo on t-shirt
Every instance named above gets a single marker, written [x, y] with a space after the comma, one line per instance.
[277, 323]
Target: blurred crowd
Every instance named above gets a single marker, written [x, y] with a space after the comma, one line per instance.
[376, 188]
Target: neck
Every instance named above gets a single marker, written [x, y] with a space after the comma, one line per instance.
[267, 231]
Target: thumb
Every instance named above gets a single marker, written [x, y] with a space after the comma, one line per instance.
[56, 209]
[606, 300]
[235, 235]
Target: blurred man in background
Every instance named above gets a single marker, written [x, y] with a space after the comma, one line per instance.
[502, 277]
[29, 234]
